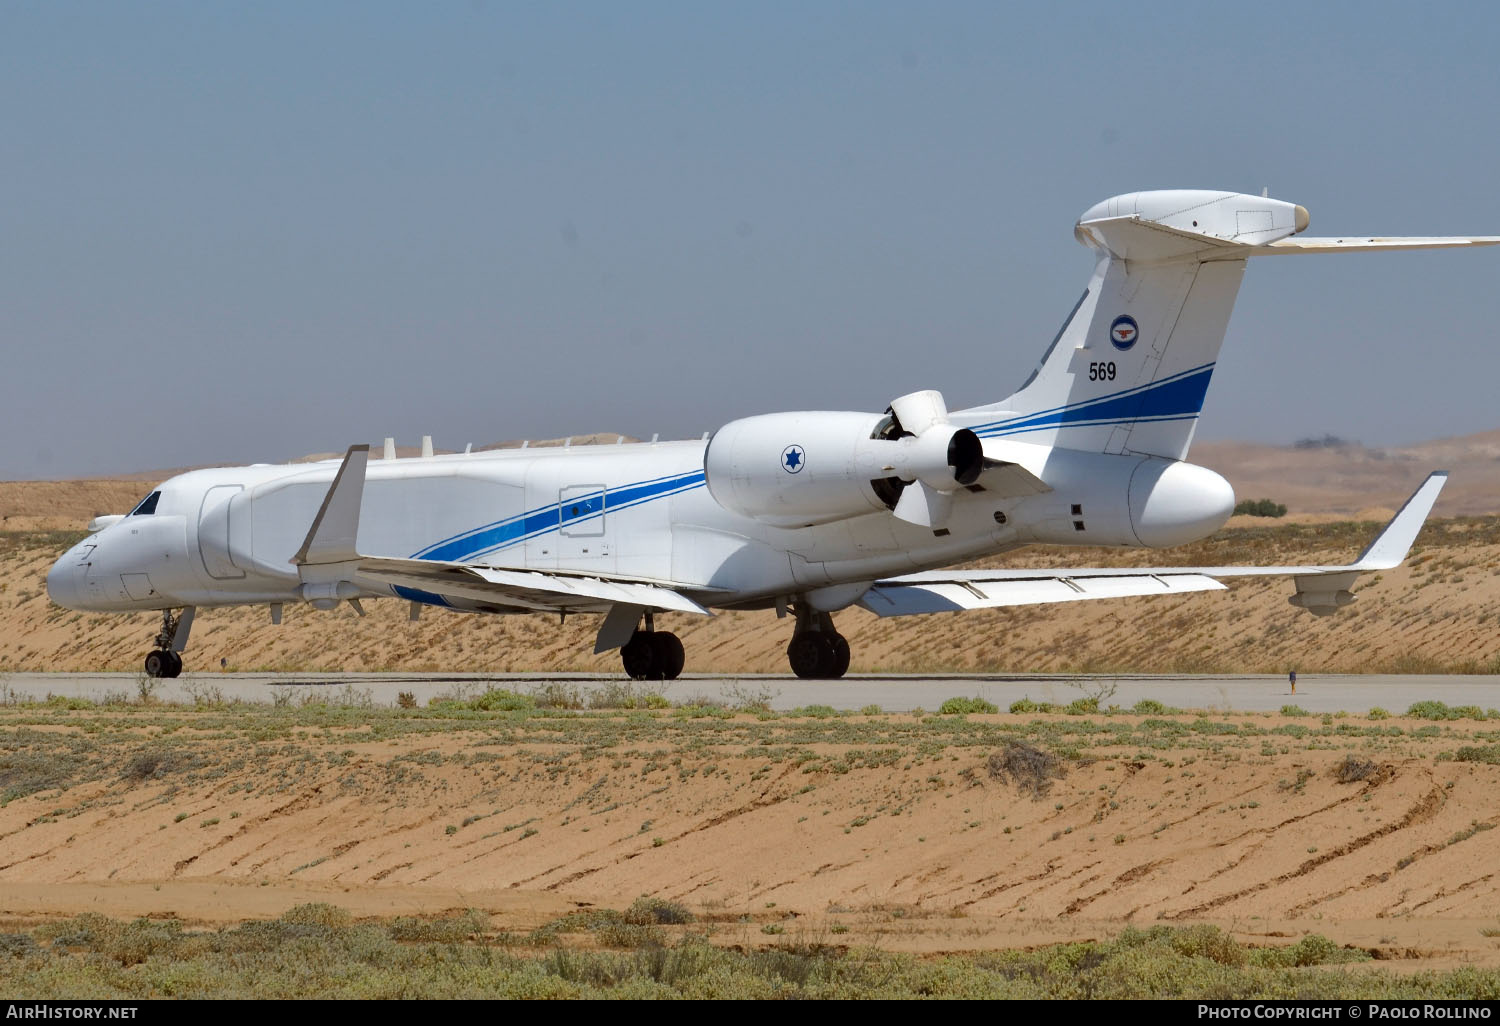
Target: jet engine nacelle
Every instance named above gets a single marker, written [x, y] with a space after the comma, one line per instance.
[800, 469]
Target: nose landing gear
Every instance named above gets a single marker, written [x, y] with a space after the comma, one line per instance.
[165, 660]
[817, 650]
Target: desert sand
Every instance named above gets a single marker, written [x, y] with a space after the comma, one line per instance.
[895, 829]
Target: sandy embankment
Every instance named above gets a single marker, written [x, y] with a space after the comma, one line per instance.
[894, 830]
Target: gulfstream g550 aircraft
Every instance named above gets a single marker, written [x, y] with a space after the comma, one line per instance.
[805, 513]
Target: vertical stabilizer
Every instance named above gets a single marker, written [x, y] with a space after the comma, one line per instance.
[1130, 368]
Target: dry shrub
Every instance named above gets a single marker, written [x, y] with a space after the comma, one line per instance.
[493, 700]
[19, 945]
[1207, 941]
[557, 695]
[154, 763]
[1029, 768]
[964, 706]
[646, 911]
[456, 929]
[1479, 753]
[1352, 770]
[317, 913]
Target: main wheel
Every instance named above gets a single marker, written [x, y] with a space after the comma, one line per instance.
[175, 665]
[639, 657]
[670, 657]
[840, 657]
[811, 655]
[159, 663]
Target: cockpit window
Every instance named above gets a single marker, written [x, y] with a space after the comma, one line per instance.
[147, 506]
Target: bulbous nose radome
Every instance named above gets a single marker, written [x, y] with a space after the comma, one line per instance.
[65, 581]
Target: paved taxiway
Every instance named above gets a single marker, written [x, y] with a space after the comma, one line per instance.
[893, 693]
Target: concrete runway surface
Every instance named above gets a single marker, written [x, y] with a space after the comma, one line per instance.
[893, 693]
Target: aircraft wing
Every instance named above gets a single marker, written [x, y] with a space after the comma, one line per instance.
[528, 590]
[1319, 589]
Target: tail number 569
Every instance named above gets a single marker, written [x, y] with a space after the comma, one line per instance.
[1104, 371]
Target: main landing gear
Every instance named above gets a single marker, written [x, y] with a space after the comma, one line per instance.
[651, 654]
[163, 663]
[817, 650]
[164, 660]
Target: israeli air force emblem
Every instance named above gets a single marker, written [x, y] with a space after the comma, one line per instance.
[793, 459]
[1123, 332]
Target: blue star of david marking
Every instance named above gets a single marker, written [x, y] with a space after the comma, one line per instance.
[792, 459]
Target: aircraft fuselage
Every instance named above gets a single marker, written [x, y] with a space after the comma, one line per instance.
[226, 536]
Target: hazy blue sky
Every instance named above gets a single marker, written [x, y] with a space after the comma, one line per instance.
[244, 232]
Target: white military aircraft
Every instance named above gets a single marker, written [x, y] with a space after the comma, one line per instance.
[805, 513]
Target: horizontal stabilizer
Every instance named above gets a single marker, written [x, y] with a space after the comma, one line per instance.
[1139, 239]
[1353, 244]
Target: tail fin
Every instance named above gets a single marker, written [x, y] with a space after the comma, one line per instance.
[1129, 369]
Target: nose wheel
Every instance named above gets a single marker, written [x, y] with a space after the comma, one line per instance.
[164, 660]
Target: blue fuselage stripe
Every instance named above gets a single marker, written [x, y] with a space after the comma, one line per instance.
[1179, 397]
[501, 534]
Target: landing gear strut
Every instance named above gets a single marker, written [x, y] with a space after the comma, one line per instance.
[164, 660]
[817, 650]
[651, 654]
